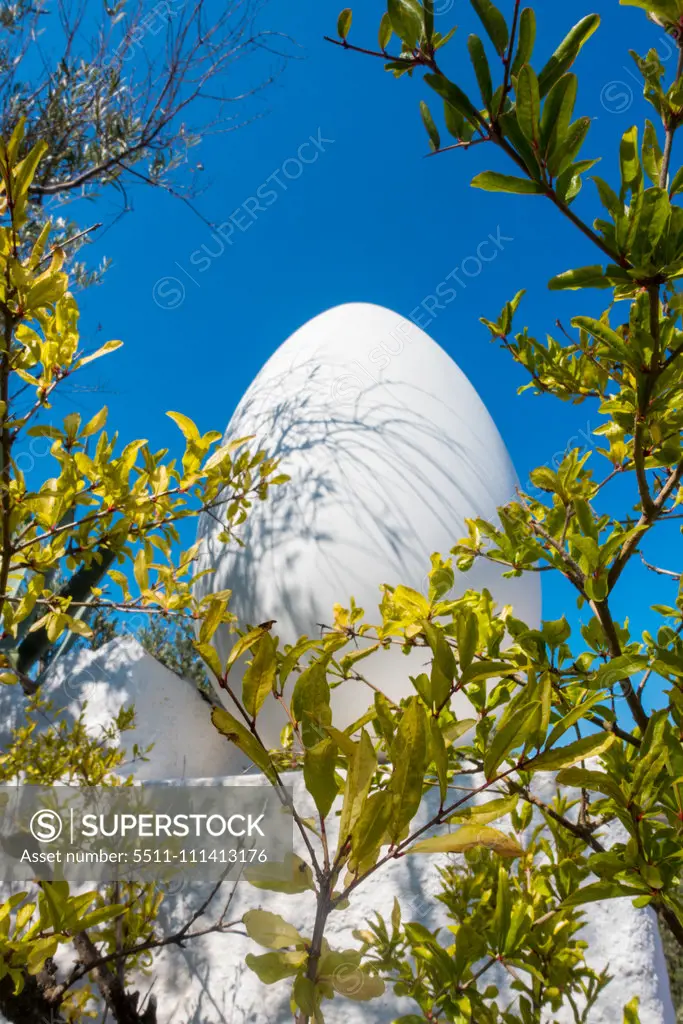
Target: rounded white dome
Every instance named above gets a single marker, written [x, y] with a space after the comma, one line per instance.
[389, 449]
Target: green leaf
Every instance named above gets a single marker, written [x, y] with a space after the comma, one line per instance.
[342, 969]
[494, 23]
[293, 875]
[567, 151]
[481, 68]
[428, 6]
[311, 698]
[406, 21]
[242, 738]
[385, 31]
[209, 655]
[467, 637]
[259, 677]
[480, 670]
[319, 774]
[511, 733]
[98, 916]
[677, 183]
[631, 1015]
[443, 666]
[567, 52]
[271, 930]
[357, 985]
[361, 768]
[408, 755]
[344, 22]
[601, 331]
[432, 130]
[109, 346]
[411, 602]
[514, 134]
[45, 292]
[189, 429]
[582, 778]
[527, 38]
[608, 197]
[572, 717]
[439, 756]
[485, 813]
[244, 644]
[40, 952]
[596, 891]
[272, 967]
[140, 570]
[306, 996]
[95, 424]
[582, 277]
[557, 112]
[620, 668]
[529, 105]
[564, 757]
[369, 831]
[629, 159]
[455, 122]
[454, 95]
[503, 911]
[25, 171]
[454, 730]
[469, 837]
[569, 183]
[492, 181]
[651, 153]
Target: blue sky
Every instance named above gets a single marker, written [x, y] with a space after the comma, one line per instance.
[369, 219]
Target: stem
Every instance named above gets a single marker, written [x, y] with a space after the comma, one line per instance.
[670, 130]
[647, 520]
[602, 611]
[408, 61]
[550, 193]
[507, 60]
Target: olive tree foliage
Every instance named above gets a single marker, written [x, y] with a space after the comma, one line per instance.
[94, 527]
[124, 93]
[601, 707]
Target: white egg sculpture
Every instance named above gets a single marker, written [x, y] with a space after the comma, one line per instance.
[389, 449]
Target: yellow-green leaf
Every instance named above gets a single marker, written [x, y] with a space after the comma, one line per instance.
[565, 757]
[109, 346]
[271, 930]
[260, 675]
[272, 967]
[189, 429]
[242, 738]
[468, 838]
[293, 875]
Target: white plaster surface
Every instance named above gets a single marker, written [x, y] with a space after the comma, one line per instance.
[170, 712]
[389, 449]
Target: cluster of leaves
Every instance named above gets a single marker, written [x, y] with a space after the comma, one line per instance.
[36, 922]
[508, 916]
[526, 699]
[540, 699]
[102, 508]
[99, 537]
